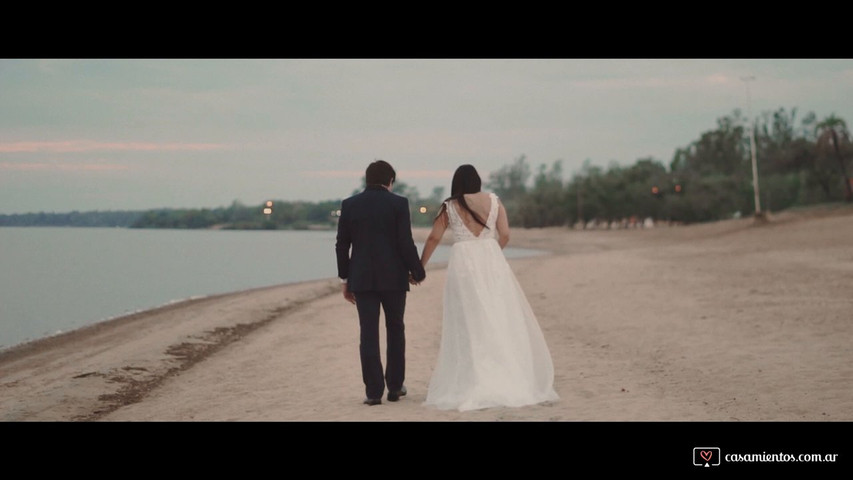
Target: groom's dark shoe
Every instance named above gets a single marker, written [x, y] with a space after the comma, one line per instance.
[394, 396]
[372, 401]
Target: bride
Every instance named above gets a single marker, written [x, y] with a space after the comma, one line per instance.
[492, 351]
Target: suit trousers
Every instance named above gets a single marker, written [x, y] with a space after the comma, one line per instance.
[394, 305]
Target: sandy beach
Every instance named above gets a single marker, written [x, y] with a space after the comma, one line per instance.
[727, 321]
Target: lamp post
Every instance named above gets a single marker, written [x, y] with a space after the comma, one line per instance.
[759, 215]
[580, 208]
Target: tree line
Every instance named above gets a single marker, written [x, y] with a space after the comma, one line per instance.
[71, 219]
[237, 216]
[272, 215]
[800, 162]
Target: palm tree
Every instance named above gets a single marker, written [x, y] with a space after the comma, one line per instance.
[833, 131]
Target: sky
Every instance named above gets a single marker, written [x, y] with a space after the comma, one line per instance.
[136, 134]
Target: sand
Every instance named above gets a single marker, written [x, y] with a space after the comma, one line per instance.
[727, 321]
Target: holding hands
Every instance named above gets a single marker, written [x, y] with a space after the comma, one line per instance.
[348, 296]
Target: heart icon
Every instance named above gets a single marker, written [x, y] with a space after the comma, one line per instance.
[706, 455]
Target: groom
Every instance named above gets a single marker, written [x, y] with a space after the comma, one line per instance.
[376, 223]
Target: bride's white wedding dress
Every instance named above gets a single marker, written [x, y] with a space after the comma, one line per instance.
[492, 350]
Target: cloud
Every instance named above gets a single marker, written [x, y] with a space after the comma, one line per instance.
[439, 174]
[625, 83]
[629, 83]
[718, 79]
[61, 167]
[52, 67]
[77, 146]
[403, 174]
[334, 173]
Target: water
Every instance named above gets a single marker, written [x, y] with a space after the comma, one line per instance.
[59, 279]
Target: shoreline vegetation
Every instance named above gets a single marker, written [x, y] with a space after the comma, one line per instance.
[801, 161]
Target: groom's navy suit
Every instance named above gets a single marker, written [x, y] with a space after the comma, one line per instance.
[377, 225]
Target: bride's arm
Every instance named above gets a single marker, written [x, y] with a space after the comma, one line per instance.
[434, 238]
[503, 226]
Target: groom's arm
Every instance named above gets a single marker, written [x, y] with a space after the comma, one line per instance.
[342, 245]
[407, 243]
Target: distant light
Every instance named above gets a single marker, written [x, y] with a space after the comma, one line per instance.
[678, 188]
[267, 211]
[336, 213]
[423, 209]
[269, 203]
[655, 190]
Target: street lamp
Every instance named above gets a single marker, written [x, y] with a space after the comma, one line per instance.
[758, 214]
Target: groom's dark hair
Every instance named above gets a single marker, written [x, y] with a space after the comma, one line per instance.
[379, 172]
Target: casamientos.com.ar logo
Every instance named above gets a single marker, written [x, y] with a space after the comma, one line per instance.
[706, 456]
[711, 457]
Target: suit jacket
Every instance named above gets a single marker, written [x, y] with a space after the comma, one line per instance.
[377, 224]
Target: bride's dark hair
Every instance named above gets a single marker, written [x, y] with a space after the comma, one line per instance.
[465, 180]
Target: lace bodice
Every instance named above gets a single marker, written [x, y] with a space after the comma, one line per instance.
[461, 233]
